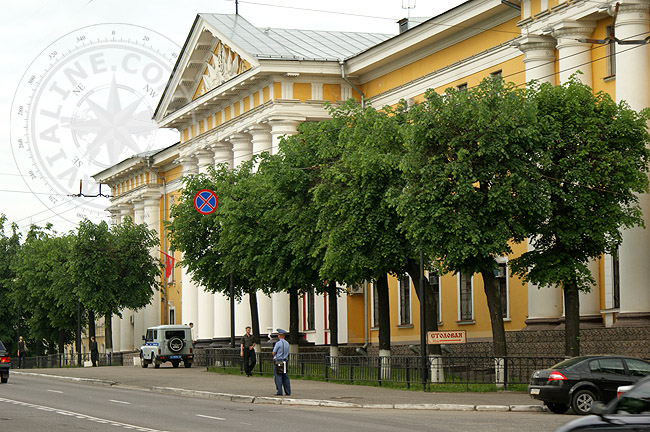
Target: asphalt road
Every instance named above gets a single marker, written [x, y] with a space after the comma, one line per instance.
[34, 403]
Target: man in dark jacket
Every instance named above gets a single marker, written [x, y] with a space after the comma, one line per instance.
[94, 352]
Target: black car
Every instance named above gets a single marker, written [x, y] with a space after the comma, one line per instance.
[580, 381]
[629, 413]
[5, 364]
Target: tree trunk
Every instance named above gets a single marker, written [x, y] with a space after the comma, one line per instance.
[293, 316]
[572, 320]
[384, 313]
[333, 318]
[91, 323]
[108, 335]
[255, 318]
[431, 304]
[61, 342]
[496, 313]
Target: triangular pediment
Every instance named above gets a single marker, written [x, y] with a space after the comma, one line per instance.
[208, 60]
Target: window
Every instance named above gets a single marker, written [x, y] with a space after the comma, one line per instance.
[311, 310]
[175, 333]
[638, 367]
[496, 74]
[616, 280]
[375, 305]
[434, 280]
[611, 366]
[465, 311]
[404, 300]
[172, 316]
[611, 54]
[501, 274]
[461, 87]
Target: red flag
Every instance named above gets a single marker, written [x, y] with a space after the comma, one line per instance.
[169, 264]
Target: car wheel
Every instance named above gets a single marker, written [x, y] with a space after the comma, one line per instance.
[155, 362]
[187, 364]
[143, 361]
[582, 401]
[557, 408]
[4, 378]
[175, 363]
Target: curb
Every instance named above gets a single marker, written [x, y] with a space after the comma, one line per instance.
[299, 402]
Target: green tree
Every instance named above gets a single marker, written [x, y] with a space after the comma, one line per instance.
[595, 162]
[45, 290]
[113, 268]
[472, 188]
[9, 246]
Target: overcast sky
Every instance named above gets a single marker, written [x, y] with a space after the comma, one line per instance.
[49, 145]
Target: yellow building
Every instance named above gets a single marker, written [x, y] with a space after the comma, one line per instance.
[236, 89]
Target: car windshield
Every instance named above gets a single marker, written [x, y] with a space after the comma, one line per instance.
[636, 401]
[568, 363]
[2, 347]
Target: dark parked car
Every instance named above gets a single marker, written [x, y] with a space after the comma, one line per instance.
[630, 412]
[5, 364]
[580, 381]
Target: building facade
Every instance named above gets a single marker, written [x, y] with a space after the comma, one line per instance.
[237, 89]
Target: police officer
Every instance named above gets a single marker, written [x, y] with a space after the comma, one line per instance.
[280, 357]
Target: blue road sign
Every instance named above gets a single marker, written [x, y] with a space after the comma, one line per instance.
[205, 201]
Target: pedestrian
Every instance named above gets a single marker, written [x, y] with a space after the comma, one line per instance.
[94, 352]
[192, 334]
[248, 352]
[22, 350]
[280, 357]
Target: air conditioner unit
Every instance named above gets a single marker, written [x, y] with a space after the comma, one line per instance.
[356, 289]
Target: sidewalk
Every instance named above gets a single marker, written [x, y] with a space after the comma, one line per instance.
[197, 382]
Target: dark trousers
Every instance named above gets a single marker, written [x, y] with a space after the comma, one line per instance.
[94, 356]
[249, 361]
[21, 360]
[282, 380]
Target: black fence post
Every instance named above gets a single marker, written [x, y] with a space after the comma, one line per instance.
[408, 374]
[327, 368]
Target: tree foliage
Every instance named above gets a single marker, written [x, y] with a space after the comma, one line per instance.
[9, 246]
[471, 184]
[594, 163]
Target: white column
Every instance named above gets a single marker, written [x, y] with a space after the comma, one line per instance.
[265, 312]
[544, 304]
[280, 302]
[151, 217]
[189, 290]
[221, 321]
[116, 329]
[126, 322]
[590, 302]
[539, 58]
[633, 86]
[139, 328]
[280, 128]
[574, 56]
[205, 319]
[242, 148]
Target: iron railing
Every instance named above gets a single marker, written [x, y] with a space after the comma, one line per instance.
[66, 360]
[459, 370]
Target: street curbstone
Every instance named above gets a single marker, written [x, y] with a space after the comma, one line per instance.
[268, 400]
[455, 407]
[74, 379]
[378, 406]
[243, 398]
[492, 408]
[337, 404]
[417, 406]
[306, 402]
[527, 408]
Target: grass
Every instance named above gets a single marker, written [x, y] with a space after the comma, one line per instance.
[451, 386]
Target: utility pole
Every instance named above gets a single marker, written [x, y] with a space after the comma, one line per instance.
[423, 325]
[232, 310]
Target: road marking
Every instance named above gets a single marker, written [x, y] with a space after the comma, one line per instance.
[210, 417]
[55, 391]
[80, 416]
[122, 402]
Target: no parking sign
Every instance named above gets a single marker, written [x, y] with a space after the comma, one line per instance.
[205, 201]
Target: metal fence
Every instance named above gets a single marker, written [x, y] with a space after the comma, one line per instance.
[404, 370]
[66, 360]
